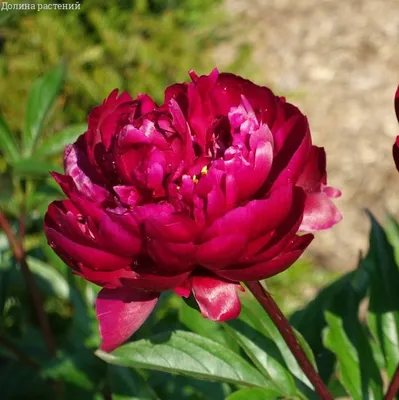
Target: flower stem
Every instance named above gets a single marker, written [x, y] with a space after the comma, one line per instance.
[393, 388]
[286, 331]
[19, 254]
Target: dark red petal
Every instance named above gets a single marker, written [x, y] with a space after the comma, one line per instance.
[221, 251]
[269, 268]
[395, 151]
[156, 281]
[320, 213]
[98, 116]
[257, 217]
[314, 173]
[218, 300]
[229, 89]
[106, 279]
[178, 257]
[290, 161]
[171, 227]
[120, 313]
[90, 256]
[114, 237]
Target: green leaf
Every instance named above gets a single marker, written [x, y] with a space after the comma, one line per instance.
[253, 314]
[8, 144]
[81, 369]
[41, 98]
[196, 323]
[49, 280]
[189, 354]
[56, 143]
[342, 297]
[33, 168]
[338, 342]
[392, 232]
[383, 316]
[255, 394]
[359, 372]
[128, 384]
[264, 354]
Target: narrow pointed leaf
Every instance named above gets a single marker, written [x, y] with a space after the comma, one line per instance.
[189, 354]
[338, 342]
[8, 143]
[255, 316]
[383, 317]
[262, 352]
[41, 98]
[33, 168]
[57, 142]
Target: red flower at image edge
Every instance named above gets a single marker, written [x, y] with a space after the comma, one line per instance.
[196, 195]
[396, 144]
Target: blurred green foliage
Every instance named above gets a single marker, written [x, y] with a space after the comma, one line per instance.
[136, 45]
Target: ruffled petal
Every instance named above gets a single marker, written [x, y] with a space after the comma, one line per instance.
[120, 313]
[217, 299]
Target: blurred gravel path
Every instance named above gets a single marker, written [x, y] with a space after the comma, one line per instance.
[338, 60]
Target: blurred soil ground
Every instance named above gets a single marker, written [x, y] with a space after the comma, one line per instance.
[339, 62]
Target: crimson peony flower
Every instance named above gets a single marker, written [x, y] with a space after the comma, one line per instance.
[396, 144]
[196, 195]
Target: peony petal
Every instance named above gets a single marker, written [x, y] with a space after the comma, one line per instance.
[320, 213]
[290, 161]
[397, 103]
[90, 256]
[120, 313]
[156, 282]
[114, 237]
[314, 173]
[395, 151]
[218, 300]
[221, 251]
[171, 227]
[106, 279]
[257, 217]
[269, 268]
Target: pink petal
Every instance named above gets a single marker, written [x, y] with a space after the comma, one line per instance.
[218, 300]
[397, 103]
[320, 213]
[120, 313]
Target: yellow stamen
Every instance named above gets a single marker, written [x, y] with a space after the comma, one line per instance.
[195, 179]
[204, 170]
